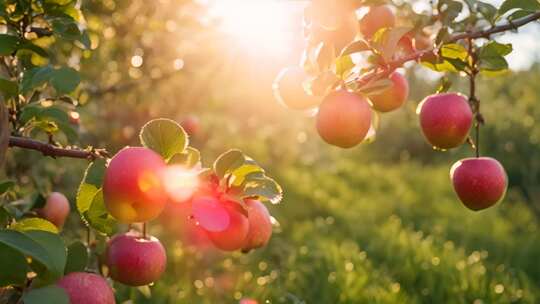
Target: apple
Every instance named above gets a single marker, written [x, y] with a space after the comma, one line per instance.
[340, 36]
[56, 209]
[134, 260]
[260, 225]
[445, 119]
[344, 119]
[234, 236]
[178, 220]
[290, 91]
[191, 124]
[132, 188]
[479, 182]
[248, 301]
[377, 18]
[86, 288]
[392, 97]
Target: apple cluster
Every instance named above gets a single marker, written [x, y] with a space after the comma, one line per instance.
[347, 115]
[222, 204]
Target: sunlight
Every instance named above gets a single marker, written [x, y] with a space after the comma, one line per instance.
[263, 25]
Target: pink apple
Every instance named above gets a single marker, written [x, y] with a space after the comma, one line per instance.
[260, 225]
[392, 97]
[133, 188]
[479, 182]
[445, 119]
[134, 260]
[233, 237]
[56, 209]
[344, 119]
[86, 288]
[377, 18]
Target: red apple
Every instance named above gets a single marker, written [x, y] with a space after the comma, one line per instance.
[393, 97]
[260, 225]
[56, 209]
[377, 18]
[134, 260]
[191, 124]
[132, 187]
[177, 218]
[86, 288]
[289, 89]
[479, 182]
[344, 119]
[234, 236]
[445, 119]
[248, 301]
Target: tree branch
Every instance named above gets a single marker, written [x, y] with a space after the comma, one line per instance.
[485, 33]
[54, 151]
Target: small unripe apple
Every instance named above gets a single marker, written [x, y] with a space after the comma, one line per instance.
[134, 260]
[290, 91]
[392, 97]
[234, 236]
[56, 209]
[191, 124]
[479, 182]
[86, 288]
[377, 18]
[445, 119]
[344, 119]
[132, 188]
[260, 225]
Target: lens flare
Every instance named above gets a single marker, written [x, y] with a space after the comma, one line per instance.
[180, 183]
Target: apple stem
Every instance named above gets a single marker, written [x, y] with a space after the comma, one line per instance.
[88, 236]
[473, 100]
[144, 230]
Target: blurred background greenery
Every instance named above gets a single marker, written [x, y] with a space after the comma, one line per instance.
[376, 224]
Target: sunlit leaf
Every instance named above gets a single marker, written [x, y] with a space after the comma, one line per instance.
[164, 136]
[34, 223]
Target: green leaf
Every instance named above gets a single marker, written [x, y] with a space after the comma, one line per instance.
[95, 172]
[46, 295]
[65, 80]
[488, 11]
[34, 223]
[264, 188]
[5, 217]
[8, 44]
[68, 130]
[5, 186]
[519, 14]
[77, 257]
[454, 51]
[65, 27]
[228, 161]
[9, 88]
[344, 65]
[55, 248]
[27, 45]
[356, 47]
[526, 5]
[14, 266]
[98, 216]
[386, 41]
[164, 136]
[491, 56]
[35, 77]
[189, 158]
[43, 247]
[452, 10]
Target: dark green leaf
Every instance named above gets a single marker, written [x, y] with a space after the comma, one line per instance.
[46, 295]
[13, 265]
[35, 77]
[65, 27]
[450, 10]
[164, 136]
[55, 248]
[6, 185]
[65, 80]
[95, 172]
[9, 88]
[526, 5]
[77, 258]
[491, 56]
[487, 11]
[8, 44]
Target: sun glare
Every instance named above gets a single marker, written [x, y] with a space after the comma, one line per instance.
[264, 25]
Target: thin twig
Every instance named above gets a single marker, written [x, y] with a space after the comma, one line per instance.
[55, 151]
[485, 33]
